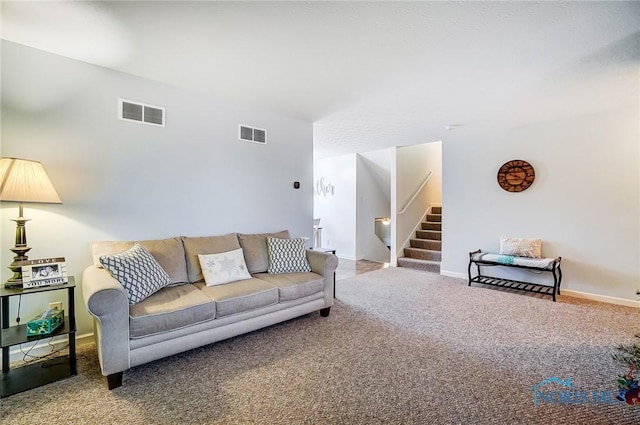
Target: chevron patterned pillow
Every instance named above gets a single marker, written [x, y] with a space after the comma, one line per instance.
[287, 255]
[137, 271]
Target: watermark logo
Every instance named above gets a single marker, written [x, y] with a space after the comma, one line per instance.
[555, 391]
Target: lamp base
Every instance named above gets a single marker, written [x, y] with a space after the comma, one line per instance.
[20, 249]
[15, 266]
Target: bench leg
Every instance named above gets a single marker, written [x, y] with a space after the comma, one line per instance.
[559, 279]
[556, 281]
[114, 380]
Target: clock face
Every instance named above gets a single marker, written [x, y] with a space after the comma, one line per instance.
[516, 175]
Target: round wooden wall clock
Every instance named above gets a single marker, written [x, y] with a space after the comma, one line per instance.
[516, 175]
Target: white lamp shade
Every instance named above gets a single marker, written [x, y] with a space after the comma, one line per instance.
[23, 180]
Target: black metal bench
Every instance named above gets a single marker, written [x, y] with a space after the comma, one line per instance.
[552, 266]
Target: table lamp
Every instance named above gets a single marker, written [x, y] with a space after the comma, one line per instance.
[23, 180]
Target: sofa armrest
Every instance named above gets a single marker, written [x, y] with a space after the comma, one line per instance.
[325, 264]
[107, 301]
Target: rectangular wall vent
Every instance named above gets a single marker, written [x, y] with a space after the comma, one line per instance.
[252, 134]
[139, 112]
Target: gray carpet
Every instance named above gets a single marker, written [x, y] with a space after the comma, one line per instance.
[400, 347]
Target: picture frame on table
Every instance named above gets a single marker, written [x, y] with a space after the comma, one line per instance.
[44, 272]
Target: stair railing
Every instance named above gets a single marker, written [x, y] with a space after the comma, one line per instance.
[400, 249]
[415, 195]
[407, 241]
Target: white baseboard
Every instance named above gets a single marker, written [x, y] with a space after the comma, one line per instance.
[454, 274]
[346, 257]
[42, 348]
[601, 298]
[84, 338]
[568, 293]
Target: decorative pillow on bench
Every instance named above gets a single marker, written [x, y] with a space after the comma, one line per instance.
[521, 247]
[287, 255]
[137, 271]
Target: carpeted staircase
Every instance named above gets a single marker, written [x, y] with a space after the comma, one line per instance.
[425, 250]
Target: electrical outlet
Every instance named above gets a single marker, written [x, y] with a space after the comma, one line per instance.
[57, 305]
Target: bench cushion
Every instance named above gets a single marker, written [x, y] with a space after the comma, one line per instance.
[240, 296]
[292, 286]
[539, 263]
[170, 308]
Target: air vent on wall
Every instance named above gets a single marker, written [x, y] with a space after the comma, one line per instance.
[252, 134]
[139, 112]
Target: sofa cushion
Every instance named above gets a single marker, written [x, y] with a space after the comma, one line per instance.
[169, 253]
[292, 286]
[206, 245]
[243, 295]
[254, 247]
[170, 308]
[223, 268]
[137, 271]
[287, 255]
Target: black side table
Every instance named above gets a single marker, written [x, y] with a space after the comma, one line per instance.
[35, 374]
[332, 251]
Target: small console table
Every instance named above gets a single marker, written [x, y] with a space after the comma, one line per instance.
[39, 373]
[329, 251]
[551, 265]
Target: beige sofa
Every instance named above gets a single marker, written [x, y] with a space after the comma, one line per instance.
[188, 313]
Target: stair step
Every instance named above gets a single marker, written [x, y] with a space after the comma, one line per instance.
[414, 263]
[433, 235]
[434, 217]
[423, 254]
[426, 244]
[428, 225]
[436, 210]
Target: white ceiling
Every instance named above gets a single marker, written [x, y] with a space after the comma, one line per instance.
[369, 75]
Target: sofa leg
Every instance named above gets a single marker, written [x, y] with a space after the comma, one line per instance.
[114, 380]
[324, 312]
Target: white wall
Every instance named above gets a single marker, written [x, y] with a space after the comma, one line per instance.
[337, 211]
[379, 165]
[413, 164]
[434, 162]
[121, 180]
[375, 184]
[347, 216]
[584, 203]
[372, 202]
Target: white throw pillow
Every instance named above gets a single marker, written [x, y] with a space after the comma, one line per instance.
[224, 267]
[287, 255]
[137, 271]
[521, 247]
